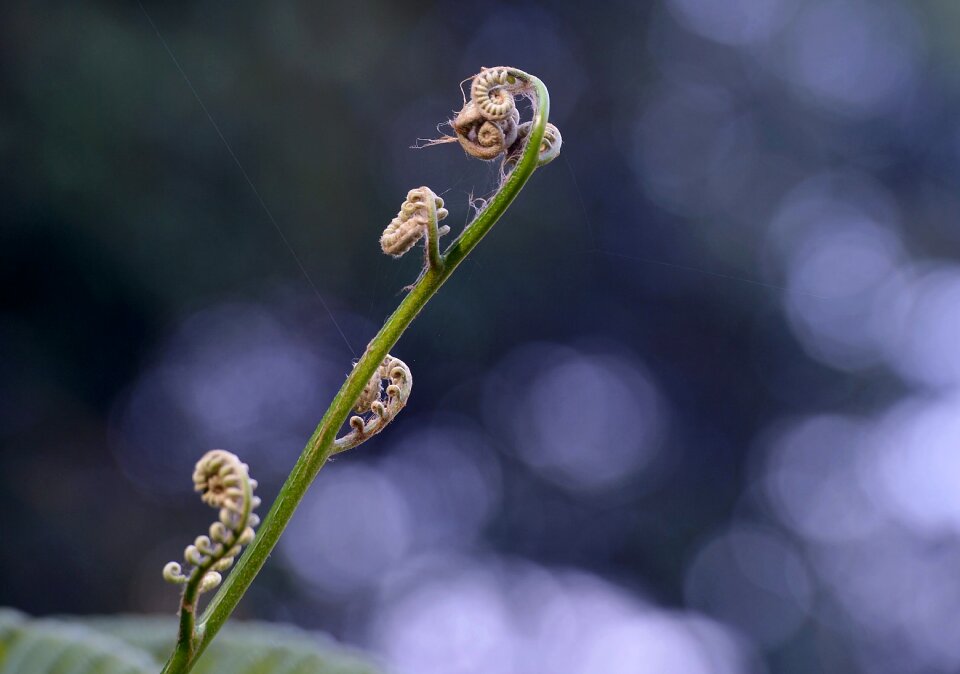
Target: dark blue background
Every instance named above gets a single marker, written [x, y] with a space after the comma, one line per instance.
[691, 407]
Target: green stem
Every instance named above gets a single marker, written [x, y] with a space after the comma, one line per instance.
[320, 444]
[187, 633]
[434, 259]
[180, 659]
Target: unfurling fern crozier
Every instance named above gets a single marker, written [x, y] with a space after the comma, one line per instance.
[489, 125]
[223, 482]
[381, 404]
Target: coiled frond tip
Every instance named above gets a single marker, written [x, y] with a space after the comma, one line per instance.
[223, 482]
[381, 404]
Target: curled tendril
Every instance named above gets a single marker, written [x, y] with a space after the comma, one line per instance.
[417, 217]
[549, 146]
[381, 404]
[223, 482]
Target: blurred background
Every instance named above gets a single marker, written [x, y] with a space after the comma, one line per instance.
[693, 406]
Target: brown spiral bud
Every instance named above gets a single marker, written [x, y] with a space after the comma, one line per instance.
[489, 92]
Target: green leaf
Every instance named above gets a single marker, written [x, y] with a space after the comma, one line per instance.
[140, 644]
[242, 648]
[56, 647]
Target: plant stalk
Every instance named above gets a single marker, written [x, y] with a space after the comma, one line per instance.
[320, 445]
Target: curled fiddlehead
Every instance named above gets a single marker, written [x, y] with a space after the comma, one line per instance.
[223, 482]
[381, 405]
[489, 92]
[489, 125]
[413, 221]
[483, 136]
[549, 146]
[418, 217]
